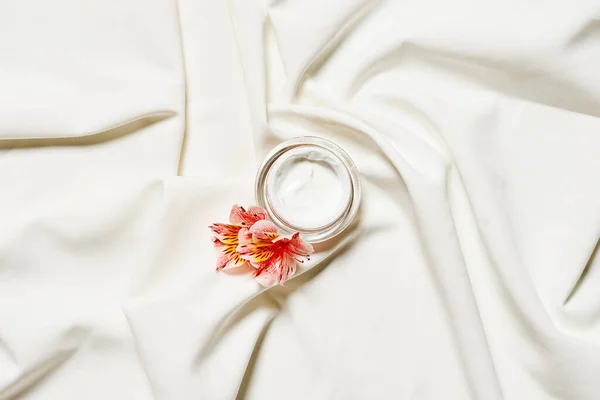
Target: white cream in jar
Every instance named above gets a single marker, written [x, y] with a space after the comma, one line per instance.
[309, 185]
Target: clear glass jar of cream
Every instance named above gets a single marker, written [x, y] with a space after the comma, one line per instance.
[309, 185]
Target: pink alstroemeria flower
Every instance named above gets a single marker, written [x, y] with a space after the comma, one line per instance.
[226, 235]
[273, 256]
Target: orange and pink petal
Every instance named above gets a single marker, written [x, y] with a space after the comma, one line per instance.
[244, 236]
[275, 271]
[263, 230]
[226, 233]
[239, 215]
[255, 254]
[297, 246]
[227, 257]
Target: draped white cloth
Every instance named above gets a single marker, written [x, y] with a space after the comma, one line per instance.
[127, 127]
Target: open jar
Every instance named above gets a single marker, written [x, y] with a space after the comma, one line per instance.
[309, 185]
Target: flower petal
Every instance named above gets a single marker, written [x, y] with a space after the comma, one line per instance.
[299, 246]
[264, 231]
[254, 253]
[268, 277]
[257, 213]
[277, 270]
[244, 237]
[239, 216]
[228, 234]
[227, 257]
[287, 268]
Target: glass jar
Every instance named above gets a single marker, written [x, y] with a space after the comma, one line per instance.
[309, 185]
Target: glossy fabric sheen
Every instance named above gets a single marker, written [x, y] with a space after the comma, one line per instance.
[127, 127]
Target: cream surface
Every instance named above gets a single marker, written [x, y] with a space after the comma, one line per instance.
[127, 127]
[309, 189]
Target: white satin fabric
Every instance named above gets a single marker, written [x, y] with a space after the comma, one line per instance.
[127, 127]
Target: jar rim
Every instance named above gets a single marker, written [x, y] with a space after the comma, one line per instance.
[342, 221]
